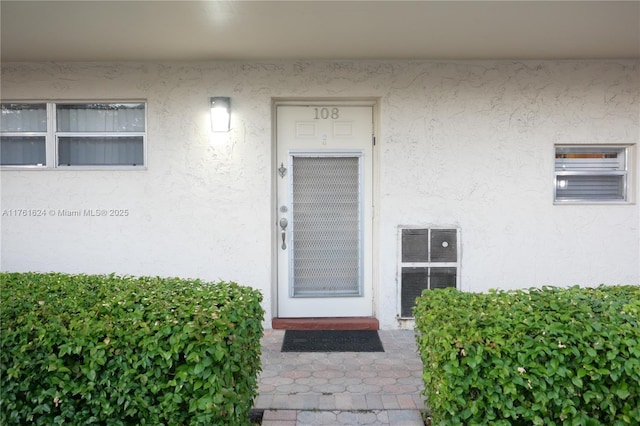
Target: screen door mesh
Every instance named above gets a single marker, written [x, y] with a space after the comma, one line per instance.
[326, 226]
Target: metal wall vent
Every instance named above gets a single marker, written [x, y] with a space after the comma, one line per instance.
[429, 259]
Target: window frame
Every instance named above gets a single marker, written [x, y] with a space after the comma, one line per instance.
[52, 136]
[626, 173]
[28, 134]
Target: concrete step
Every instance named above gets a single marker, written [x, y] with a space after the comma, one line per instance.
[333, 323]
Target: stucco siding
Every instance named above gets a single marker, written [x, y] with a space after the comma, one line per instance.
[459, 144]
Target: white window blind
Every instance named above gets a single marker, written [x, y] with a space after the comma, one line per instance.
[591, 173]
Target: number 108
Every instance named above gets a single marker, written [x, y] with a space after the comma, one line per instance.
[325, 113]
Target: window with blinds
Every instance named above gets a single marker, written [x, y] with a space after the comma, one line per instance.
[23, 134]
[73, 134]
[100, 134]
[591, 174]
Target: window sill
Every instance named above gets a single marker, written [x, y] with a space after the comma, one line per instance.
[73, 168]
[593, 203]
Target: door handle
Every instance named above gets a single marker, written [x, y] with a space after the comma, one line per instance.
[283, 233]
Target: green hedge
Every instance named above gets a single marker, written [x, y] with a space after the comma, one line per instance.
[80, 349]
[545, 356]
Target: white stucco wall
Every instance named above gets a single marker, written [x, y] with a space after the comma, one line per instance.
[466, 144]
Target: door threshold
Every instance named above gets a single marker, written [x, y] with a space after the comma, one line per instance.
[332, 323]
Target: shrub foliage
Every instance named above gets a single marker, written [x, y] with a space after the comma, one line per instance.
[545, 356]
[81, 349]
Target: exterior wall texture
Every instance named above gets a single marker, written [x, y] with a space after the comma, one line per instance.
[459, 144]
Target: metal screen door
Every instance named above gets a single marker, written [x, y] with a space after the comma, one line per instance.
[326, 235]
[324, 211]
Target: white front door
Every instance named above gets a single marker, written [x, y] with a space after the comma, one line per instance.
[324, 217]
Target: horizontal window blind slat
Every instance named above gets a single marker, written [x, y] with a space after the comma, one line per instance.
[583, 164]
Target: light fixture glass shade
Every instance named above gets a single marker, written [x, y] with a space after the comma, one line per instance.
[220, 114]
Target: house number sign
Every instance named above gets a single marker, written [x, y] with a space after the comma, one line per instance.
[325, 113]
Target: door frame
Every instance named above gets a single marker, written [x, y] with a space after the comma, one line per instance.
[273, 215]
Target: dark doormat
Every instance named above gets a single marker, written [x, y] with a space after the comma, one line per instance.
[331, 341]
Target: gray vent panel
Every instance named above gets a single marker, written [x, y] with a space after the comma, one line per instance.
[414, 280]
[415, 245]
[443, 278]
[444, 247]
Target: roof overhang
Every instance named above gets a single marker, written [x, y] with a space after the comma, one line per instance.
[94, 30]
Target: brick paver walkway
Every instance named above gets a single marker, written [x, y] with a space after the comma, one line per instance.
[341, 388]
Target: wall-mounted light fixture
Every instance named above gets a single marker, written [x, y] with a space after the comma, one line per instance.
[220, 114]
